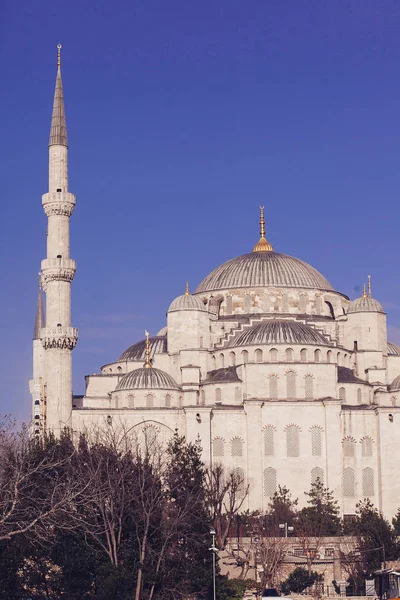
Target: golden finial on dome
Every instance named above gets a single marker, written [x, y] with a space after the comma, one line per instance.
[147, 364]
[369, 286]
[187, 293]
[59, 55]
[365, 291]
[262, 245]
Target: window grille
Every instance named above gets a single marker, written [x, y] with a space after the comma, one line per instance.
[269, 482]
[316, 441]
[237, 446]
[149, 400]
[292, 441]
[258, 355]
[273, 355]
[342, 394]
[229, 305]
[291, 385]
[309, 387]
[218, 447]
[348, 482]
[349, 447]
[232, 358]
[269, 441]
[245, 356]
[366, 446]
[273, 387]
[368, 482]
[168, 400]
[218, 395]
[247, 303]
[289, 354]
[303, 355]
[317, 473]
[303, 303]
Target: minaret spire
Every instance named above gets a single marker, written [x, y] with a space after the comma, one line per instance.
[58, 130]
[262, 245]
[39, 320]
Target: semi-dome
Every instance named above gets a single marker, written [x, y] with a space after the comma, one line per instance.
[147, 379]
[187, 302]
[264, 269]
[393, 350]
[365, 304]
[158, 345]
[395, 385]
[280, 332]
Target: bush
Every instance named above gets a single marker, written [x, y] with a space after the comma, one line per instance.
[299, 580]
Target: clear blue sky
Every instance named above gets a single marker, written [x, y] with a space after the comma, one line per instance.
[183, 117]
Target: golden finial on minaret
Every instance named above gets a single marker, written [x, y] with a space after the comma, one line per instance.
[365, 291]
[59, 55]
[369, 286]
[147, 364]
[262, 245]
[187, 293]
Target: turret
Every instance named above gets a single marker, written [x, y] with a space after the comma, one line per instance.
[58, 270]
[188, 324]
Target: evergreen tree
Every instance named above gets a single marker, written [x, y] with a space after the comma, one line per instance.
[321, 516]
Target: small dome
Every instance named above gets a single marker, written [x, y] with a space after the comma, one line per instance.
[187, 302]
[162, 332]
[395, 385]
[365, 304]
[280, 332]
[393, 350]
[158, 345]
[147, 379]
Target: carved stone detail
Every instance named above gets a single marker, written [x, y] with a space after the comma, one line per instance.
[63, 338]
[58, 203]
[57, 275]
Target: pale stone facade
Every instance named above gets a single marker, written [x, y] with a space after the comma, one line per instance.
[275, 372]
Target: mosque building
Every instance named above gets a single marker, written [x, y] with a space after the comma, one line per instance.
[280, 376]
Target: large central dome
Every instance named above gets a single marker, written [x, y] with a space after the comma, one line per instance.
[264, 269]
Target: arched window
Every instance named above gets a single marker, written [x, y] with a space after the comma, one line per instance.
[329, 356]
[273, 386]
[269, 482]
[289, 354]
[238, 395]
[366, 446]
[213, 363]
[285, 303]
[149, 400]
[218, 395]
[247, 303]
[292, 441]
[393, 401]
[317, 474]
[345, 360]
[303, 304]
[303, 355]
[236, 446]
[318, 305]
[368, 482]
[245, 356]
[342, 394]
[221, 361]
[269, 449]
[202, 398]
[258, 355]
[232, 358]
[273, 355]
[359, 396]
[317, 356]
[339, 359]
[229, 305]
[131, 401]
[349, 447]
[218, 446]
[201, 341]
[316, 441]
[291, 385]
[349, 482]
[168, 399]
[309, 386]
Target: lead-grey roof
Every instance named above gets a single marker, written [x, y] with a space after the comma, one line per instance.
[365, 304]
[279, 332]
[346, 375]
[393, 350]
[224, 375]
[187, 302]
[264, 269]
[58, 130]
[395, 385]
[147, 379]
[158, 345]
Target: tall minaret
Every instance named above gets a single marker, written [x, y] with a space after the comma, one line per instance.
[58, 270]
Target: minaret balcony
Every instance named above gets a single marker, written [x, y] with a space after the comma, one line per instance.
[62, 338]
[58, 203]
[57, 269]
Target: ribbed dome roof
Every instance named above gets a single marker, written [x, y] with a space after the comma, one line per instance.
[158, 345]
[395, 385]
[163, 331]
[264, 269]
[147, 379]
[365, 304]
[187, 302]
[393, 350]
[280, 332]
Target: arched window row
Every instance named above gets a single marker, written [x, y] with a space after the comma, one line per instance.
[259, 355]
[349, 447]
[351, 396]
[147, 401]
[216, 395]
[235, 447]
[367, 482]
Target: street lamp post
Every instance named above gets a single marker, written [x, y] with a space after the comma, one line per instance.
[214, 551]
[286, 528]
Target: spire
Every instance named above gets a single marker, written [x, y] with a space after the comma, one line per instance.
[39, 321]
[147, 364]
[369, 286]
[187, 293]
[262, 245]
[364, 291]
[58, 131]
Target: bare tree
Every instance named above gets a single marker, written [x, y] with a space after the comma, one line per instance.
[270, 553]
